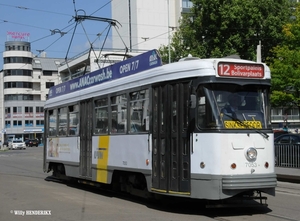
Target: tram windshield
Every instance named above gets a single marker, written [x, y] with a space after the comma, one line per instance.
[233, 106]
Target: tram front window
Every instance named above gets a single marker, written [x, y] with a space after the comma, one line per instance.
[231, 106]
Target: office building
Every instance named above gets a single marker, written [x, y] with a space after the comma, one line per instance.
[146, 25]
[25, 80]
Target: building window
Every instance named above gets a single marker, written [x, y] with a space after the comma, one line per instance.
[18, 84]
[28, 109]
[39, 109]
[49, 84]
[17, 72]
[39, 123]
[18, 97]
[17, 123]
[7, 110]
[17, 110]
[47, 73]
[28, 112]
[23, 60]
[28, 123]
[7, 124]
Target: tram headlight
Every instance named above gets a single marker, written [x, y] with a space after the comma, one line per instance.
[251, 154]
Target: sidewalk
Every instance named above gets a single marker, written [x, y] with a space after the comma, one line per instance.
[288, 174]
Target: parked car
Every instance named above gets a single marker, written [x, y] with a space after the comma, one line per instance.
[6, 143]
[288, 139]
[277, 133]
[31, 143]
[287, 150]
[17, 144]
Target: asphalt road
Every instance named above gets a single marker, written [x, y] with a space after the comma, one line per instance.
[27, 194]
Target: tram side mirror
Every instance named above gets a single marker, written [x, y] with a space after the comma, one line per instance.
[193, 101]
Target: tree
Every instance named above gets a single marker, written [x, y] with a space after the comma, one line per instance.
[218, 28]
[285, 66]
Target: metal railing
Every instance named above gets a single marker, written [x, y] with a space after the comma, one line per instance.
[282, 118]
[287, 155]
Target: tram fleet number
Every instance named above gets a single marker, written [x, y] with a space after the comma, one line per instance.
[251, 164]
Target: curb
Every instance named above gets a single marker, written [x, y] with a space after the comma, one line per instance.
[288, 178]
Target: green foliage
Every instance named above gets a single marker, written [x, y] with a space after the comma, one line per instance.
[282, 99]
[218, 28]
[285, 65]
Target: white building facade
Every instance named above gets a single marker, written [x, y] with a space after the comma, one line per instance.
[25, 81]
[146, 25]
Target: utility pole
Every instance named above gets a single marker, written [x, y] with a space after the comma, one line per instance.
[129, 12]
[258, 52]
[169, 49]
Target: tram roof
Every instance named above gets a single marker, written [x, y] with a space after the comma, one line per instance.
[152, 71]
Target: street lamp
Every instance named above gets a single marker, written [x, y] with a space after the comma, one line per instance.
[169, 49]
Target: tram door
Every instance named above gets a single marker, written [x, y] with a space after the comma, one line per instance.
[86, 128]
[170, 141]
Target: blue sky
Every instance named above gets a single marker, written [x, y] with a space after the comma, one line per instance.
[36, 19]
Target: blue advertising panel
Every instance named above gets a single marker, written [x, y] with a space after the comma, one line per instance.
[142, 62]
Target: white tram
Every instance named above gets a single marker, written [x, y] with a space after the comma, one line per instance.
[143, 126]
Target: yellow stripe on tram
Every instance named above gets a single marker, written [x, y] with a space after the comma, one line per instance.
[103, 146]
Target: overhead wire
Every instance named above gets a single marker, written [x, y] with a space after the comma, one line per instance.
[73, 27]
[20, 7]
[32, 9]
[101, 7]
[81, 18]
[26, 8]
[74, 30]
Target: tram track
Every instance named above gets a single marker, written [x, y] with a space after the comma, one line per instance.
[281, 217]
[272, 215]
[220, 214]
[190, 208]
[21, 170]
[20, 175]
[288, 188]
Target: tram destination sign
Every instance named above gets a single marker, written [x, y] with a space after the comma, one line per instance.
[142, 62]
[241, 70]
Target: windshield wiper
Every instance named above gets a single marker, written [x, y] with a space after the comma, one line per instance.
[265, 135]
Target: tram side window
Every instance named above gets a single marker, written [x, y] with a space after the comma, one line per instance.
[62, 121]
[73, 119]
[101, 115]
[52, 119]
[205, 117]
[155, 109]
[201, 112]
[119, 114]
[139, 111]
